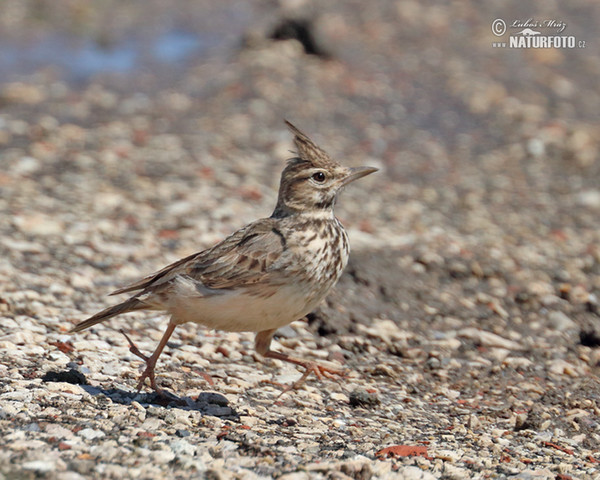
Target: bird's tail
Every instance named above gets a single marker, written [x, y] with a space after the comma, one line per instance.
[130, 305]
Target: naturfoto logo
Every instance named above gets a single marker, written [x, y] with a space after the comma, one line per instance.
[533, 33]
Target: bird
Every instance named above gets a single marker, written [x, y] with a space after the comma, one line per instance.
[262, 277]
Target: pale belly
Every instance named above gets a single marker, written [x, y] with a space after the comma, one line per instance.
[236, 311]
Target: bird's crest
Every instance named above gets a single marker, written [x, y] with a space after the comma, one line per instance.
[308, 150]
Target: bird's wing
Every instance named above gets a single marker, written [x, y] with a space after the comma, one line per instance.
[250, 256]
[161, 276]
[245, 258]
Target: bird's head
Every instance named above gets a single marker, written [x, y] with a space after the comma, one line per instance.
[311, 181]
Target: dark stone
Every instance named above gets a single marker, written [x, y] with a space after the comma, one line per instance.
[69, 376]
[301, 30]
[589, 338]
[531, 422]
[362, 398]
[212, 398]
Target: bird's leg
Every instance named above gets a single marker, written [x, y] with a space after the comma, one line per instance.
[262, 343]
[152, 359]
[133, 347]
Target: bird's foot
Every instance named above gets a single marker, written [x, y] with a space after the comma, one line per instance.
[148, 371]
[149, 374]
[320, 371]
[133, 347]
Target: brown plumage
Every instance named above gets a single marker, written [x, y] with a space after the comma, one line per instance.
[265, 275]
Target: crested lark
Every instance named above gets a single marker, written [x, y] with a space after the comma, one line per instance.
[262, 277]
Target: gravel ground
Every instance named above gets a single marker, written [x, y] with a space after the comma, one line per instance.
[468, 316]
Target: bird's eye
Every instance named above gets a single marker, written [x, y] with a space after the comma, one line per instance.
[318, 177]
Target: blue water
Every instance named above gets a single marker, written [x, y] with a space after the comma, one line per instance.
[80, 58]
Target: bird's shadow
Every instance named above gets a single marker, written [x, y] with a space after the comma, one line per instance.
[208, 403]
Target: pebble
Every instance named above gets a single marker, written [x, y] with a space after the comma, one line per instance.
[560, 322]
[69, 476]
[38, 224]
[26, 166]
[385, 330]
[589, 198]
[517, 362]
[71, 376]
[488, 339]
[562, 367]
[410, 473]
[162, 456]
[90, 433]
[43, 466]
[363, 398]
[542, 474]
[59, 431]
[182, 447]
[22, 396]
[594, 359]
[339, 397]
[455, 472]
[295, 476]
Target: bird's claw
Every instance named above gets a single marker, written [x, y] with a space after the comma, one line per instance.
[133, 347]
[148, 371]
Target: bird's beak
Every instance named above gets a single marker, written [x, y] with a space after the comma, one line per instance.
[356, 173]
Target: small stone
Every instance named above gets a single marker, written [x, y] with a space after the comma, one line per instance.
[20, 92]
[385, 330]
[26, 445]
[26, 165]
[162, 456]
[488, 339]
[38, 224]
[594, 360]
[498, 354]
[473, 422]
[41, 466]
[217, 411]
[454, 471]
[589, 198]
[449, 455]
[81, 282]
[212, 398]
[183, 447]
[362, 398]
[69, 476]
[517, 362]
[589, 338]
[295, 476]
[286, 332]
[249, 421]
[562, 367]
[433, 363]
[340, 397]
[58, 431]
[178, 416]
[413, 473]
[358, 468]
[17, 396]
[69, 376]
[90, 433]
[560, 322]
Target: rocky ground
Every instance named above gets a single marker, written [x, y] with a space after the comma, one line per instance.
[468, 317]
